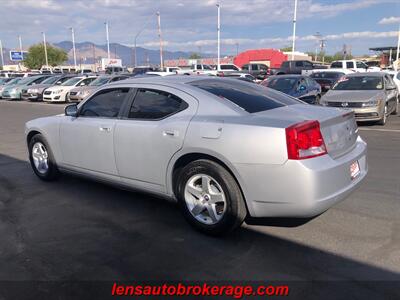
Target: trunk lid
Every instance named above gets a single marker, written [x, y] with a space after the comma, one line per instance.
[338, 126]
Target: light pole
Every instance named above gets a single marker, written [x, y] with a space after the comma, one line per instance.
[73, 45]
[397, 53]
[108, 40]
[20, 45]
[1, 54]
[218, 37]
[318, 38]
[45, 49]
[161, 42]
[294, 29]
[136, 37]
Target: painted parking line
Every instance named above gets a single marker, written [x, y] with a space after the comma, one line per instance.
[376, 129]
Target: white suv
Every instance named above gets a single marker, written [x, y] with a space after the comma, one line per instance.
[354, 65]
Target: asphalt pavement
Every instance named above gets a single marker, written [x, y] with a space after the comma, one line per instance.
[74, 229]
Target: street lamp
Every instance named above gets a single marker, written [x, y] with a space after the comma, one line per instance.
[136, 37]
[161, 42]
[73, 45]
[1, 54]
[108, 40]
[218, 37]
[294, 29]
[45, 49]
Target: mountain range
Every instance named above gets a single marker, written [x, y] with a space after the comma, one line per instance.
[88, 52]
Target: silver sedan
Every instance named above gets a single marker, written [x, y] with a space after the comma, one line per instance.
[223, 148]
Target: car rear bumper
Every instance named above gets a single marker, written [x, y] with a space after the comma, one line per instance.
[301, 188]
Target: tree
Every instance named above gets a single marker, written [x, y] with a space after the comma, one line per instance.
[286, 49]
[194, 56]
[36, 56]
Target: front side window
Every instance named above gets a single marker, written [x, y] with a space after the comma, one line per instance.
[361, 65]
[254, 67]
[245, 68]
[263, 68]
[349, 65]
[299, 64]
[154, 104]
[105, 104]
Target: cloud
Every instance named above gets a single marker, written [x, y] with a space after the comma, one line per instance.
[389, 20]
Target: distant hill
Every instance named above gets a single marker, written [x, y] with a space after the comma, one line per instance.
[85, 53]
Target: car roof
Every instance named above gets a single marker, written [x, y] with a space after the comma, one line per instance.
[371, 74]
[289, 76]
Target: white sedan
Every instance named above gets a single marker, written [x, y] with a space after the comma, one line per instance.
[59, 93]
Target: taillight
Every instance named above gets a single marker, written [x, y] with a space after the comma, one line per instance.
[304, 140]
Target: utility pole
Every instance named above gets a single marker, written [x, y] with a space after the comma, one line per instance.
[1, 54]
[45, 49]
[73, 45]
[161, 42]
[94, 57]
[397, 53]
[115, 51]
[108, 40]
[218, 38]
[20, 49]
[136, 37]
[294, 29]
[318, 38]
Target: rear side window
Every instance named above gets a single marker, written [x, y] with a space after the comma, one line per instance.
[349, 65]
[105, 104]
[153, 105]
[249, 97]
[336, 64]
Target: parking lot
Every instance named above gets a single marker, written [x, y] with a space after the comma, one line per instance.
[75, 229]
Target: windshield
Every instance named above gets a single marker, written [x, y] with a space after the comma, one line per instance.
[281, 84]
[329, 75]
[14, 81]
[359, 83]
[4, 80]
[71, 81]
[50, 80]
[248, 96]
[100, 81]
[26, 80]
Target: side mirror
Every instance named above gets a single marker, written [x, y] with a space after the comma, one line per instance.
[71, 110]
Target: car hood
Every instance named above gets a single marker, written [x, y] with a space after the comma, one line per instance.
[351, 96]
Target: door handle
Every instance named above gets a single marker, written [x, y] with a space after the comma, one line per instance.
[170, 133]
[105, 129]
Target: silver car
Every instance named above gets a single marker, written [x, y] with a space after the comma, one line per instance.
[373, 96]
[224, 149]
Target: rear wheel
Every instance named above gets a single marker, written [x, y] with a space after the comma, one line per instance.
[41, 158]
[210, 197]
[396, 107]
[383, 120]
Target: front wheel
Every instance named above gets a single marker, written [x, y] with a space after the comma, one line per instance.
[210, 197]
[383, 120]
[41, 159]
[396, 108]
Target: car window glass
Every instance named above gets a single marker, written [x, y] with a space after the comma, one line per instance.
[235, 68]
[299, 64]
[398, 76]
[349, 65]
[336, 64]
[105, 104]
[254, 67]
[153, 104]
[247, 96]
[360, 65]
[245, 67]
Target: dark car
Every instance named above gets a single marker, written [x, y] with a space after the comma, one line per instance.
[298, 86]
[142, 70]
[326, 79]
[259, 71]
[296, 66]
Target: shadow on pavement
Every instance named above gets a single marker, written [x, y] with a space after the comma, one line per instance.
[74, 230]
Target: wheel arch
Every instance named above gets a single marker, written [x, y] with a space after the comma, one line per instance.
[179, 161]
[31, 134]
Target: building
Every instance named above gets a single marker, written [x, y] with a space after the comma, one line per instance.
[271, 57]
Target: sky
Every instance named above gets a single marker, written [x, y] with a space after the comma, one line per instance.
[191, 25]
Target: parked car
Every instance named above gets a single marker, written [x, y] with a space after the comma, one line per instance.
[223, 148]
[298, 86]
[352, 64]
[14, 92]
[160, 73]
[259, 71]
[59, 93]
[197, 69]
[297, 67]
[229, 67]
[142, 70]
[81, 92]
[241, 76]
[372, 96]
[327, 79]
[395, 75]
[35, 93]
[11, 82]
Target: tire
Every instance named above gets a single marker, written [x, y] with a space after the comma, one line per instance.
[383, 120]
[47, 171]
[227, 214]
[396, 108]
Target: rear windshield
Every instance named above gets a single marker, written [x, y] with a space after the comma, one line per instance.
[329, 75]
[282, 84]
[249, 97]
